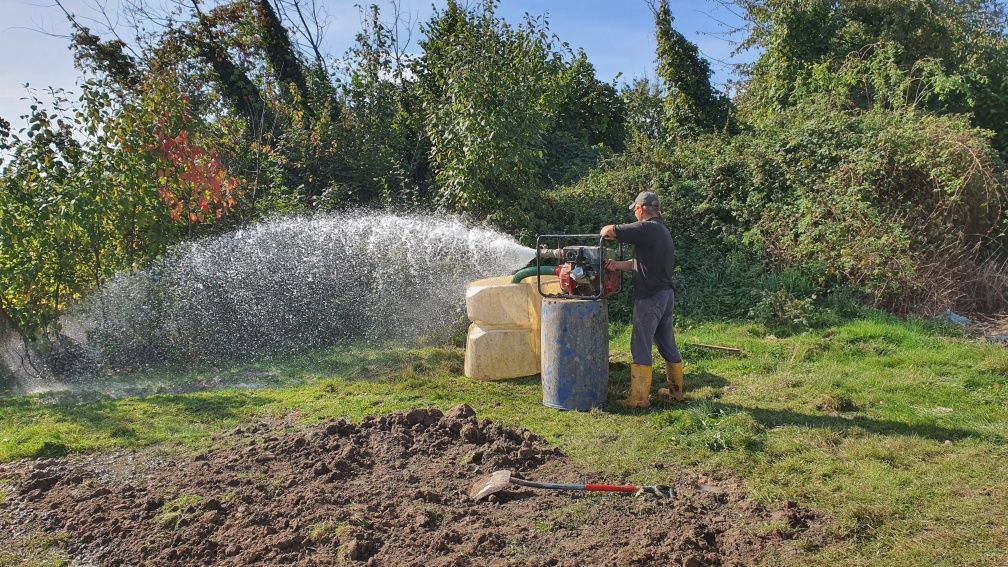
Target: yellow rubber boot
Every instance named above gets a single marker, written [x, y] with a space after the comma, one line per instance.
[674, 376]
[640, 387]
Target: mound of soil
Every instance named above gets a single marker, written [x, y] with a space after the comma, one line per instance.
[390, 491]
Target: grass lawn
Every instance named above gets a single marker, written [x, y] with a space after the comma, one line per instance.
[895, 431]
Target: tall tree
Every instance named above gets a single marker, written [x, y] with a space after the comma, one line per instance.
[508, 111]
[691, 104]
[645, 119]
[19, 362]
[280, 53]
[237, 87]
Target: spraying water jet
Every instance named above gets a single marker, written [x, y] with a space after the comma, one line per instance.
[291, 285]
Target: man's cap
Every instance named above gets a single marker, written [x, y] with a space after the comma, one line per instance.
[645, 199]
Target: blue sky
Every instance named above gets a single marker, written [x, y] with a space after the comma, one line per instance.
[618, 36]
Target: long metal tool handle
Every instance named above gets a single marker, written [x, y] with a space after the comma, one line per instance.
[611, 487]
[660, 490]
[547, 485]
[573, 486]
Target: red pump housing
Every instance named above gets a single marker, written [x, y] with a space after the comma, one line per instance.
[569, 285]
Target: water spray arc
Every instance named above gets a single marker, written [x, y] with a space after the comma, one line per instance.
[295, 284]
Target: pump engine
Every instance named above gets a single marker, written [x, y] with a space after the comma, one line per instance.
[581, 269]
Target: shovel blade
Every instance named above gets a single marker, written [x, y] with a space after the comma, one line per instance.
[490, 484]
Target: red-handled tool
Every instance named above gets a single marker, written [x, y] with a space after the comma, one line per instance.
[497, 481]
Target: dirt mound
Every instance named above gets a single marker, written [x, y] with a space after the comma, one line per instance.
[390, 491]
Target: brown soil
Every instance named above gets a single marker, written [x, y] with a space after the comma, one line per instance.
[390, 491]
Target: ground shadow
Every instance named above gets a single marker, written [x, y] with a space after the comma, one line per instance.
[535, 380]
[377, 364]
[515, 493]
[221, 406]
[700, 379]
[619, 381]
[778, 417]
[131, 425]
[844, 423]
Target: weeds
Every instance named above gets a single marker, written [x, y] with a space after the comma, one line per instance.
[864, 522]
[543, 527]
[431, 517]
[326, 532]
[706, 426]
[835, 402]
[34, 549]
[782, 311]
[178, 510]
[360, 520]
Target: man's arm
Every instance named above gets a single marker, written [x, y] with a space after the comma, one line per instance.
[625, 233]
[609, 232]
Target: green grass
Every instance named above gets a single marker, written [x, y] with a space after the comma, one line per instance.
[33, 549]
[178, 508]
[896, 432]
[326, 532]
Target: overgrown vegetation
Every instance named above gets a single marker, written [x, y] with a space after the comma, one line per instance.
[863, 152]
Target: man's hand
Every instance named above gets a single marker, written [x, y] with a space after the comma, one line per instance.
[621, 266]
[608, 231]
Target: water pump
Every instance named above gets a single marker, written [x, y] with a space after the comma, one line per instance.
[581, 268]
[574, 324]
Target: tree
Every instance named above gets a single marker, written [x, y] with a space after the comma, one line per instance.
[19, 363]
[505, 108]
[804, 41]
[485, 96]
[590, 120]
[691, 104]
[78, 200]
[385, 132]
[645, 118]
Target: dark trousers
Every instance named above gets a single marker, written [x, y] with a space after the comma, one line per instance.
[653, 322]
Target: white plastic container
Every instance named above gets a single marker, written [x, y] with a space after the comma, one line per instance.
[503, 340]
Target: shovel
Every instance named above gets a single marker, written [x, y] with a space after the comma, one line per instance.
[499, 480]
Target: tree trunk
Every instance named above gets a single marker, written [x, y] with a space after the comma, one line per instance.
[20, 365]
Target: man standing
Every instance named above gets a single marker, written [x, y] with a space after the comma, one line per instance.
[654, 299]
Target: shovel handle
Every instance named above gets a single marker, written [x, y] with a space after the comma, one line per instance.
[566, 486]
[611, 487]
[660, 491]
[547, 485]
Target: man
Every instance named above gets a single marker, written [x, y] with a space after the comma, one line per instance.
[654, 299]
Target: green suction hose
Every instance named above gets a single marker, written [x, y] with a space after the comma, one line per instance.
[532, 271]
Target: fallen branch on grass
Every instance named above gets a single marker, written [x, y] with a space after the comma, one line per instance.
[724, 349]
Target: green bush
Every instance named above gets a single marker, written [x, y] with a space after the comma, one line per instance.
[782, 310]
[902, 206]
[899, 208]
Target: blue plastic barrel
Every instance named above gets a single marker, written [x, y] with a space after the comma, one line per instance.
[575, 354]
